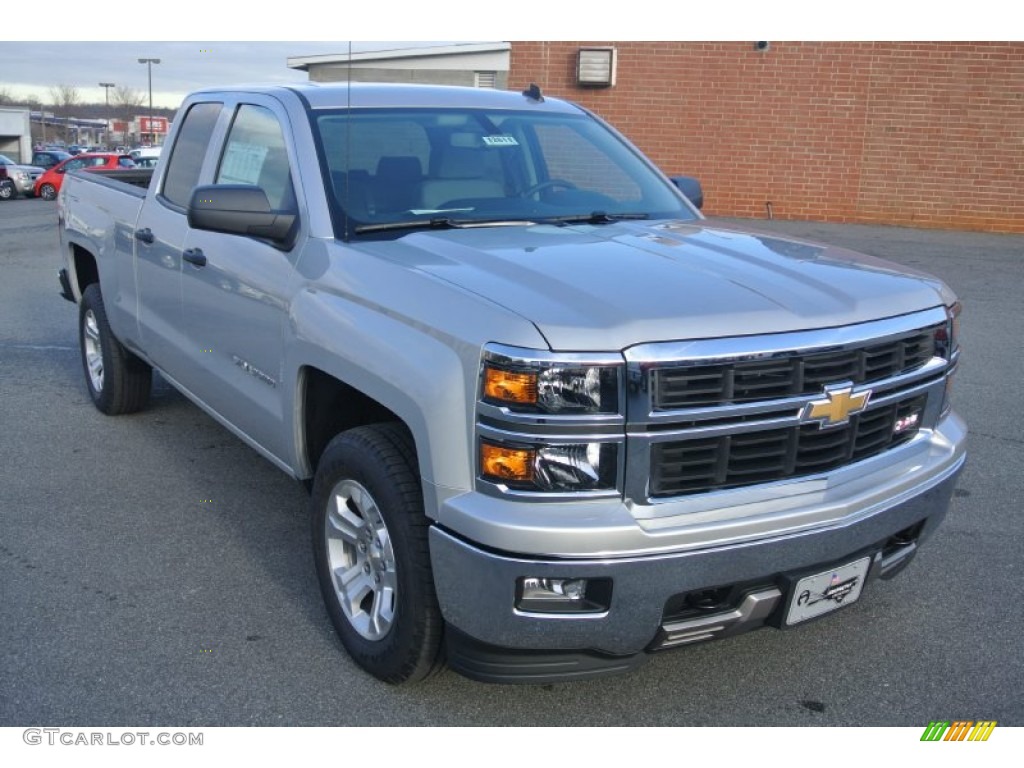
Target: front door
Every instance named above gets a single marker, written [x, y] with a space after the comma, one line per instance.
[235, 289]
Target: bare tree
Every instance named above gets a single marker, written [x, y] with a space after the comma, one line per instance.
[65, 98]
[5, 97]
[126, 102]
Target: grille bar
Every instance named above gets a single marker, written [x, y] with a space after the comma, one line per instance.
[731, 461]
[696, 386]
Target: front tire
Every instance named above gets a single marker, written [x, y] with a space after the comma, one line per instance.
[48, 192]
[7, 190]
[118, 381]
[371, 553]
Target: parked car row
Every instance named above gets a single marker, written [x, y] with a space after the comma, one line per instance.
[47, 158]
[17, 179]
[44, 179]
[48, 185]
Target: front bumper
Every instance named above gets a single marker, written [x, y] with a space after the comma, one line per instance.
[476, 587]
[26, 186]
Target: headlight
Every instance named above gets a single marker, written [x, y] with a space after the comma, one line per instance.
[20, 175]
[526, 382]
[550, 423]
[558, 468]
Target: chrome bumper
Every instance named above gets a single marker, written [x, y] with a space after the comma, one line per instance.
[476, 587]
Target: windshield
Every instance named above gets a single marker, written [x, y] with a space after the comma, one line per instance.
[410, 166]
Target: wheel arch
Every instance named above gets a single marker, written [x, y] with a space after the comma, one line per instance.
[84, 268]
[330, 406]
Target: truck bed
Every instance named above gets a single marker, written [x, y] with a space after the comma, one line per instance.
[132, 180]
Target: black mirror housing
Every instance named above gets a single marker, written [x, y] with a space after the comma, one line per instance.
[240, 209]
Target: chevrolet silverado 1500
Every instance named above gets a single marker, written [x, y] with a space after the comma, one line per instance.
[551, 419]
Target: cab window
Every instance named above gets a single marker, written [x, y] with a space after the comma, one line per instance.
[255, 154]
[186, 161]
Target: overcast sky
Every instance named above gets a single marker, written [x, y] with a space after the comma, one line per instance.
[31, 68]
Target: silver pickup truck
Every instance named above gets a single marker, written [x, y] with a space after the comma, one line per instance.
[551, 420]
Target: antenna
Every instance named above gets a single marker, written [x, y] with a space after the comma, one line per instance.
[348, 141]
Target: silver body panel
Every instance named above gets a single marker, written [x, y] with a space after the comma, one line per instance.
[405, 321]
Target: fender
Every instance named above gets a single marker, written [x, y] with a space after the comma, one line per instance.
[415, 354]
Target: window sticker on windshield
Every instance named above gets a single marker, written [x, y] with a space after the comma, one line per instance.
[500, 141]
[242, 163]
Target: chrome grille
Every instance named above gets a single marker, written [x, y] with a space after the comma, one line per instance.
[735, 460]
[697, 386]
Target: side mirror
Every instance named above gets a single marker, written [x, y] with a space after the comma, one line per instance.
[690, 187]
[62, 170]
[240, 209]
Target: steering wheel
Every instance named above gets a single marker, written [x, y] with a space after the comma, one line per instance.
[550, 183]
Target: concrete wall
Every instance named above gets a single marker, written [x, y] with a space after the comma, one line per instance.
[15, 134]
[919, 134]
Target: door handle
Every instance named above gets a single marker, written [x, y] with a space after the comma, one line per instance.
[195, 256]
[145, 235]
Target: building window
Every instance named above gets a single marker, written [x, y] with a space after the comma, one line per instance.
[485, 79]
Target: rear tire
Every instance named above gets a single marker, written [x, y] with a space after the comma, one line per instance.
[372, 556]
[118, 381]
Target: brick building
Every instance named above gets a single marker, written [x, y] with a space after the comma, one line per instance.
[917, 134]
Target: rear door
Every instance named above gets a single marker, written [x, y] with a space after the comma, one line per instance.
[160, 239]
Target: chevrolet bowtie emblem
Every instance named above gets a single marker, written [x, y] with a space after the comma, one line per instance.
[837, 407]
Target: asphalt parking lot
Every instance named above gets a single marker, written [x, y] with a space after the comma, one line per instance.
[156, 571]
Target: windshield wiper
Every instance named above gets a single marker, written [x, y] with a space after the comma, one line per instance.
[597, 217]
[442, 222]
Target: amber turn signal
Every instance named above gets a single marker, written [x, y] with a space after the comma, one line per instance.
[506, 464]
[510, 387]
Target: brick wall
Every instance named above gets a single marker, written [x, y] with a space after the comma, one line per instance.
[918, 134]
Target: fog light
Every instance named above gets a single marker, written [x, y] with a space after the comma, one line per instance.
[548, 595]
[554, 589]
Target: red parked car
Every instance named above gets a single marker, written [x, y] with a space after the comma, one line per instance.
[48, 185]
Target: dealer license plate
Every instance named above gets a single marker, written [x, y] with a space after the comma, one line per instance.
[827, 591]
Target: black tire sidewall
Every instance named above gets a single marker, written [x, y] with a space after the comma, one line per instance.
[127, 380]
[399, 655]
[93, 300]
[43, 192]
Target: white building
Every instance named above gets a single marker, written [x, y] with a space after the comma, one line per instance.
[15, 134]
[484, 65]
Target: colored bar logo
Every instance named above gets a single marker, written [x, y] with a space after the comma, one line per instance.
[958, 730]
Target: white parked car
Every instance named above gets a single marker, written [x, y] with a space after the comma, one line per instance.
[144, 152]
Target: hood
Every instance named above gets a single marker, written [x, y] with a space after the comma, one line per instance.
[611, 286]
[33, 170]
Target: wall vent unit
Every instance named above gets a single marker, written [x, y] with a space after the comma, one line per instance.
[595, 67]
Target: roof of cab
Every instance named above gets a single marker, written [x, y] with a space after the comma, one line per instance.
[362, 95]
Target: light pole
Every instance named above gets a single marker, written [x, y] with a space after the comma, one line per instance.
[149, 65]
[106, 115]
